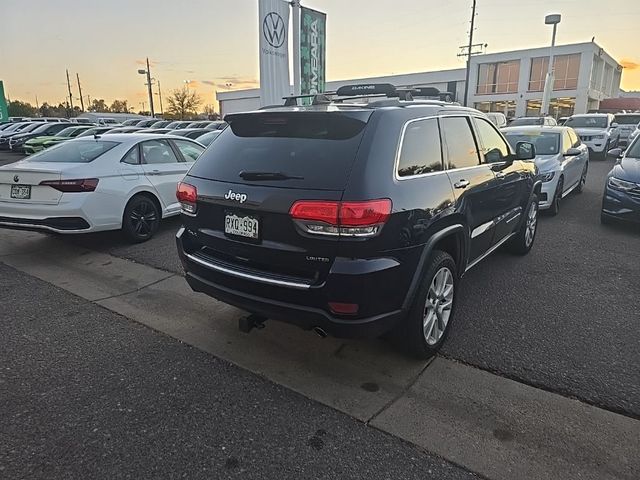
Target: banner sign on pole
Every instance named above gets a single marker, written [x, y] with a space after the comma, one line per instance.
[4, 111]
[273, 16]
[313, 47]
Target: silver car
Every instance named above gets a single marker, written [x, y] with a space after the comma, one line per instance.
[561, 157]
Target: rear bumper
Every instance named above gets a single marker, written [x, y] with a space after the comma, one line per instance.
[52, 224]
[296, 305]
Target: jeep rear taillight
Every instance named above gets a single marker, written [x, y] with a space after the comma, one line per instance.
[349, 219]
[187, 195]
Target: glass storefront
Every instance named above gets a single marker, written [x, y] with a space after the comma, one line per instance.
[559, 107]
[508, 107]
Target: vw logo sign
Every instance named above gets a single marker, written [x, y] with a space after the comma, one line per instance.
[16, 178]
[274, 29]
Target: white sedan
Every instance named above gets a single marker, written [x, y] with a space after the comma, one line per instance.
[99, 183]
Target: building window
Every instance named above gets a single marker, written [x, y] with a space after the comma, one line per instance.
[508, 107]
[566, 68]
[558, 107]
[498, 77]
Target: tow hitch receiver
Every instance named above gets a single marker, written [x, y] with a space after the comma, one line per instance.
[248, 323]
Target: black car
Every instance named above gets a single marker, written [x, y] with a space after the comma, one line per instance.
[23, 127]
[354, 219]
[621, 200]
[47, 129]
[522, 121]
[192, 133]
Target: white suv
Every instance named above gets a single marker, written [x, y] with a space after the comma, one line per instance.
[597, 130]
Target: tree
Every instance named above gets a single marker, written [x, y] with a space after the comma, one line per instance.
[210, 112]
[21, 109]
[98, 106]
[183, 102]
[119, 106]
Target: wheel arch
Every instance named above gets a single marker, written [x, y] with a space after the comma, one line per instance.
[146, 193]
[451, 239]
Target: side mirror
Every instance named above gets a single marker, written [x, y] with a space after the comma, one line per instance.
[614, 125]
[525, 151]
[572, 152]
[615, 152]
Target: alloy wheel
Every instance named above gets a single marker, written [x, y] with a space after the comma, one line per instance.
[532, 223]
[143, 218]
[438, 306]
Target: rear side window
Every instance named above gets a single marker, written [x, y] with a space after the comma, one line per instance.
[157, 151]
[462, 150]
[627, 119]
[75, 151]
[190, 151]
[311, 149]
[420, 152]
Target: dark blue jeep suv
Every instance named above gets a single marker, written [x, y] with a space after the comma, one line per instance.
[355, 216]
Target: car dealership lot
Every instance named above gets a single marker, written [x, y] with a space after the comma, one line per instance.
[563, 318]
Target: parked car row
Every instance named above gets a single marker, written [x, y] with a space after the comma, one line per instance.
[33, 136]
[351, 219]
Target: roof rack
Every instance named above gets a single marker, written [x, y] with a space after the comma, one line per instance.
[370, 91]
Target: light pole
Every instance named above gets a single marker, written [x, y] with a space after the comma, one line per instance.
[548, 82]
[160, 95]
[147, 72]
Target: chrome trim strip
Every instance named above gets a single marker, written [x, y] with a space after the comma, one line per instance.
[517, 215]
[248, 276]
[488, 252]
[482, 228]
[396, 163]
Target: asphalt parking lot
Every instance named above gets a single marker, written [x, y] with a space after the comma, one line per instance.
[564, 318]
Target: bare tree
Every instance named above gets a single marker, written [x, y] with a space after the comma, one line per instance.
[183, 102]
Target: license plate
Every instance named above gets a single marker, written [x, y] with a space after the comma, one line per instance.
[21, 192]
[241, 225]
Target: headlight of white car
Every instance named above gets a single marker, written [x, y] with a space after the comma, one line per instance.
[546, 176]
[622, 185]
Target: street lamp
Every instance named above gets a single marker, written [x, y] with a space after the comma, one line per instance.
[554, 20]
[147, 72]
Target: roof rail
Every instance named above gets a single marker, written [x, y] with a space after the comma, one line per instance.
[423, 91]
[316, 99]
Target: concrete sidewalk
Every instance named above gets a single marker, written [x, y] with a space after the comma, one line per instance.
[488, 424]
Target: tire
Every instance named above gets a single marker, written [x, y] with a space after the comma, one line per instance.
[522, 242]
[435, 294]
[583, 178]
[554, 209]
[141, 219]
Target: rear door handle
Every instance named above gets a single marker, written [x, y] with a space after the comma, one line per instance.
[500, 175]
[462, 184]
[154, 172]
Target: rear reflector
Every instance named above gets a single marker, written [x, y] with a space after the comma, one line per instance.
[187, 195]
[343, 308]
[355, 219]
[71, 186]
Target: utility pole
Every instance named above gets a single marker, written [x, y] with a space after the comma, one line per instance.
[468, 53]
[80, 92]
[37, 105]
[150, 91]
[70, 94]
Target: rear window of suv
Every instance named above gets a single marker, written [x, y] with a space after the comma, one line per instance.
[317, 148]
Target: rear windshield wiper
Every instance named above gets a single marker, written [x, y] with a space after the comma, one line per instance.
[267, 176]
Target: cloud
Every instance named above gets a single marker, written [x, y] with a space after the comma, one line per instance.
[209, 82]
[192, 83]
[629, 64]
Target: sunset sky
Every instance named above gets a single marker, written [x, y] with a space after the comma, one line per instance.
[214, 42]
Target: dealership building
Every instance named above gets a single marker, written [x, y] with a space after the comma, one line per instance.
[508, 82]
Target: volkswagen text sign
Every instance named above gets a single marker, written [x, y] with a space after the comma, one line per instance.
[274, 51]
